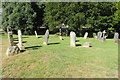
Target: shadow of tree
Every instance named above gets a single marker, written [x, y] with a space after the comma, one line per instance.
[52, 43]
[33, 47]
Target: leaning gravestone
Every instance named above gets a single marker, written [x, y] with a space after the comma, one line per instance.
[85, 36]
[20, 45]
[116, 37]
[12, 48]
[36, 34]
[72, 38]
[46, 37]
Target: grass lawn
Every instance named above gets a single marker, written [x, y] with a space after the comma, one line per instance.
[59, 60]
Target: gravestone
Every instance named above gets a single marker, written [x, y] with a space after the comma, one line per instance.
[87, 44]
[20, 45]
[46, 37]
[8, 29]
[85, 36]
[116, 37]
[60, 31]
[12, 48]
[36, 34]
[72, 38]
[103, 38]
[104, 33]
[99, 35]
[10, 38]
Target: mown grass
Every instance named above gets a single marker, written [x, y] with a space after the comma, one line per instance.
[59, 60]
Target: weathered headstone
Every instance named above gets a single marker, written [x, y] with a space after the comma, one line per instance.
[60, 31]
[10, 38]
[87, 44]
[36, 34]
[104, 33]
[12, 48]
[99, 35]
[103, 38]
[8, 29]
[72, 38]
[46, 37]
[116, 37]
[85, 36]
[20, 45]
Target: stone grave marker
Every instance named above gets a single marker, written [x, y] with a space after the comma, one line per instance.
[12, 48]
[36, 34]
[10, 38]
[85, 36]
[60, 31]
[116, 37]
[99, 35]
[46, 37]
[72, 38]
[20, 45]
[103, 38]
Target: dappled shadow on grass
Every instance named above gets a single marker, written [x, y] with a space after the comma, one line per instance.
[78, 45]
[52, 43]
[33, 47]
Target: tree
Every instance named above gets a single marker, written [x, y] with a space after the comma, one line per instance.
[18, 16]
[96, 16]
[116, 18]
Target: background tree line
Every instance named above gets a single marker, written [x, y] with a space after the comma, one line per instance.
[80, 16]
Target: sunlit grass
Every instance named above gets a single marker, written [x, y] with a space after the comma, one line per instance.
[59, 60]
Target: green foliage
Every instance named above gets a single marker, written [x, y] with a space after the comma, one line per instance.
[18, 16]
[97, 16]
[78, 15]
[116, 18]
